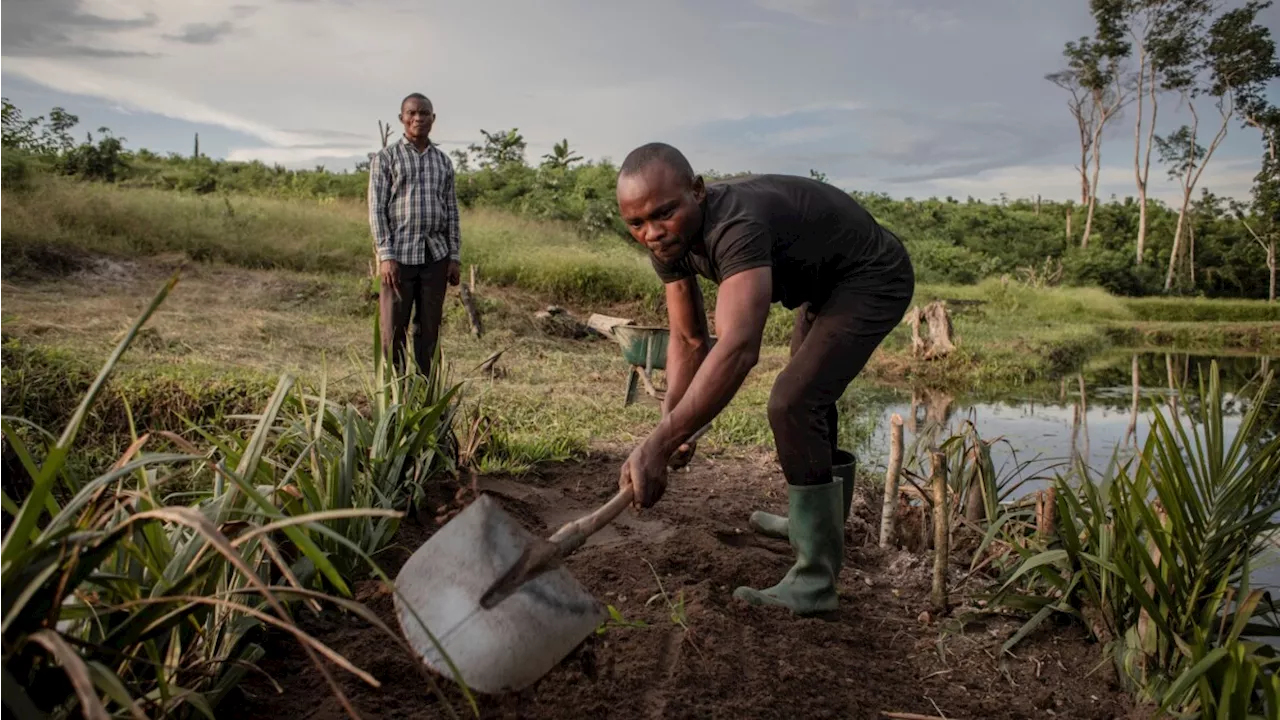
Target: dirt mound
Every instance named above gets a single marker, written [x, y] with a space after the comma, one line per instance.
[699, 652]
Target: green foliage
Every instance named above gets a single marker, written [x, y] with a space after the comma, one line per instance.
[1153, 553]
[120, 602]
[14, 171]
[1221, 310]
[950, 241]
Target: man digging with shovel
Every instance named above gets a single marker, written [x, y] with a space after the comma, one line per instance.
[765, 239]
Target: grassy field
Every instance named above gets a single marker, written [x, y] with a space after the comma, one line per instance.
[277, 286]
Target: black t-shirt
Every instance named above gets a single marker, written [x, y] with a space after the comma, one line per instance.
[814, 236]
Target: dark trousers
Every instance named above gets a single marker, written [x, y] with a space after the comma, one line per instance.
[829, 347]
[422, 293]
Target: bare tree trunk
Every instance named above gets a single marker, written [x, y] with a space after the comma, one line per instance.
[1068, 224]
[1191, 251]
[1269, 247]
[1226, 108]
[1093, 195]
[1177, 248]
[1271, 267]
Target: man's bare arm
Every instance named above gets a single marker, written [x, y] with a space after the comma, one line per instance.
[742, 306]
[689, 340]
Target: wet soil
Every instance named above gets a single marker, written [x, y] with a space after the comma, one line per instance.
[700, 652]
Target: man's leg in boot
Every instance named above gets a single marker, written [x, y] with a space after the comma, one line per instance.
[837, 346]
[433, 283]
[775, 526]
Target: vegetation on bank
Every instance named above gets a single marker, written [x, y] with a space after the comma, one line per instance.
[1153, 556]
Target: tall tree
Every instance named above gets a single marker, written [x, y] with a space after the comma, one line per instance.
[1095, 68]
[1237, 58]
[560, 156]
[1161, 31]
[1264, 225]
[1082, 112]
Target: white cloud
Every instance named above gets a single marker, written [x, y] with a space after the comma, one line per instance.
[1229, 178]
[918, 101]
[299, 156]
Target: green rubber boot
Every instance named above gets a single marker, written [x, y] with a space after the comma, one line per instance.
[817, 538]
[775, 526]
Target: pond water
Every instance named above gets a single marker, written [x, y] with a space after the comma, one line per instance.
[1096, 413]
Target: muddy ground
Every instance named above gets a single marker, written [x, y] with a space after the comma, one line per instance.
[878, 654]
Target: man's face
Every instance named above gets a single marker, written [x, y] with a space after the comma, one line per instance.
[662, 211]
[417, 117]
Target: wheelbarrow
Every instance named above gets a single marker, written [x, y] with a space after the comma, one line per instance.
[644, 347]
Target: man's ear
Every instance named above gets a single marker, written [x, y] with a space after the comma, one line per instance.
[699, 188]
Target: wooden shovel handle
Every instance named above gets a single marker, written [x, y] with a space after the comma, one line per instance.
[588, 525]
[577, 531]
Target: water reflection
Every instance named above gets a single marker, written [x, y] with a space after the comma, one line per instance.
[1104, 409]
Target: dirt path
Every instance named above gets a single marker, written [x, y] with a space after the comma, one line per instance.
[877, 655]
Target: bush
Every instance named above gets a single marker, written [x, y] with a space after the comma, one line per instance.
[1110, 269]
[14, 171]
[937, 262]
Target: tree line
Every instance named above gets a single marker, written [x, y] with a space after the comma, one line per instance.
[951, 240]
[1216, 63]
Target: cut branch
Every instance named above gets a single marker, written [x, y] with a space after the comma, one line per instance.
[941, 530]
[888, 514]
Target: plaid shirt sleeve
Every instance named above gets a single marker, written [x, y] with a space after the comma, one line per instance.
[451, 211]
[379, 191]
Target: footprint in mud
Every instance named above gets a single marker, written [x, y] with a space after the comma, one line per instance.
[739, 539]
[655, 698]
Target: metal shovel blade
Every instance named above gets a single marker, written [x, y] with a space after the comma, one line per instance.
[510, 646]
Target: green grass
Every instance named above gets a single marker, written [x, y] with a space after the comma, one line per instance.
[1203, 310]
[282, 285]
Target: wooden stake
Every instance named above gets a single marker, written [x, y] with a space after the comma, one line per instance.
[1050, 519]
[889, 513]
[941, 530]
[468, 302]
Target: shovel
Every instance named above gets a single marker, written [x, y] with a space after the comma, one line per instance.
[511, 611]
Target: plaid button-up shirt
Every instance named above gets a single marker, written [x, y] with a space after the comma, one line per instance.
[413, 209]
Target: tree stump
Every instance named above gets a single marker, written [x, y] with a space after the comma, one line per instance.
[939, 330]
[938, 321]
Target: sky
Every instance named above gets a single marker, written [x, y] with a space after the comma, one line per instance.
[904, 97]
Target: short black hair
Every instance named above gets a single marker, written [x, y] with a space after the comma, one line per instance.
[657, 152]
[418, 96]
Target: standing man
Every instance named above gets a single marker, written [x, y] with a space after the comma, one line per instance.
[413, 213]
[765, 239]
